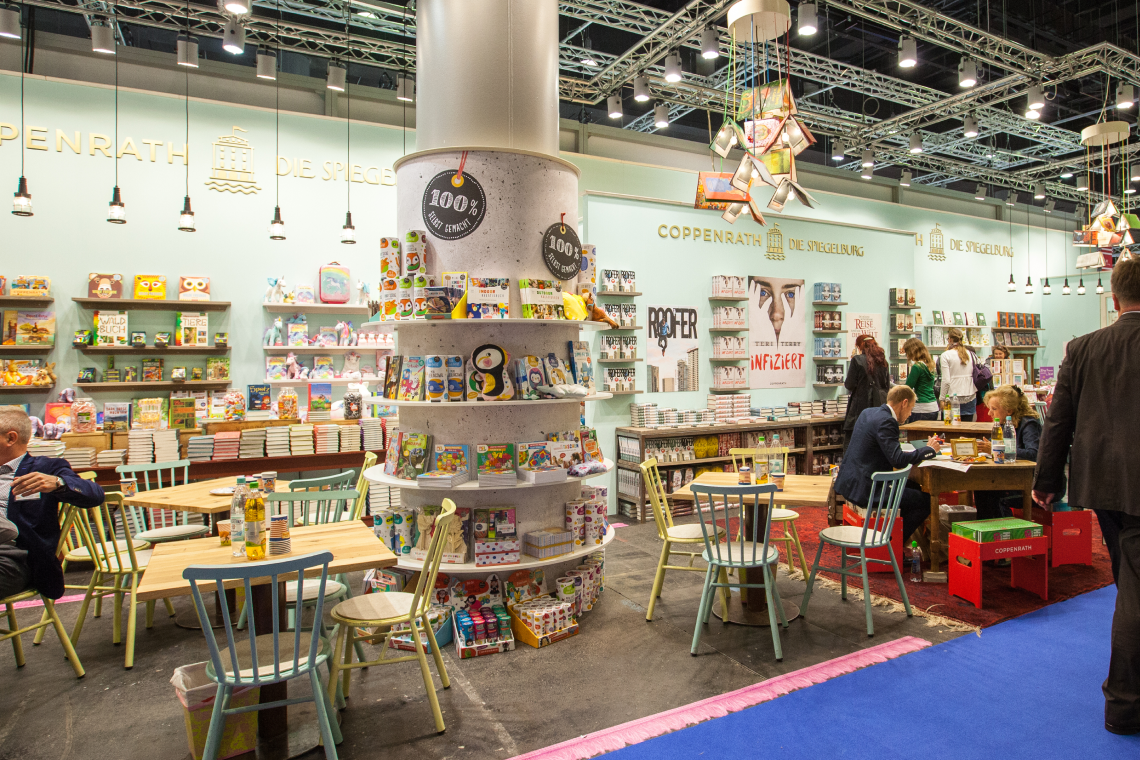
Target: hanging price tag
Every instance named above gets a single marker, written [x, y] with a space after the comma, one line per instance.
[561, 251]
[453, 205]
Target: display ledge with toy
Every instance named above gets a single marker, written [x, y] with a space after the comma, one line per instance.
[580, 323]
[376, 475]
[526, 561]
[141, 304]
[381, 401]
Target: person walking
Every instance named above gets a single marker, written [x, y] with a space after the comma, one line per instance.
[867, 382]
[1090, 425]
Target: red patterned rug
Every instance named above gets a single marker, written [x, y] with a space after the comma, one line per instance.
[1000, 601]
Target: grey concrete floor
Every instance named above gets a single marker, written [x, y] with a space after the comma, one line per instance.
[617, 669]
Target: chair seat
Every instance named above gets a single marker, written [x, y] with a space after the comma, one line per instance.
[850, 535]
[779, 514]
[20, 596]
[84, 554]
[172, 533]
[744, 559]
[375, 609]
[265, 656]
[141, 558]
[310, 588]
[691, 532]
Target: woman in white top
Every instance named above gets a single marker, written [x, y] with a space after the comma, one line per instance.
[956, 366]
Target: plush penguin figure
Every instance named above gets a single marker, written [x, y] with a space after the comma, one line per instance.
[492, 361]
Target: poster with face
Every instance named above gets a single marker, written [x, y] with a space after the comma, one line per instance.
[777, 332]
[672, 354]
[859, 324]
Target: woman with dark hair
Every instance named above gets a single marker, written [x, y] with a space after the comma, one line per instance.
[956, 366]
[867, 381]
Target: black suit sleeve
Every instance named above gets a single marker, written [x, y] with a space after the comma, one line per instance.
[1057, 437]
[888, 435]
[76, 490]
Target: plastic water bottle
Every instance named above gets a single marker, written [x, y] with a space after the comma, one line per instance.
[915, 563]
[775, 458]
[760, 462]
[1010, 435]
[237, 517]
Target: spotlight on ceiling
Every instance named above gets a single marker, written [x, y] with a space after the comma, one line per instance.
[868, 158]
[838, 150]
[613, 105]
[337, 76]
[710, 42]
[237, 7]
[640, 89]
[233, 37]
[1134, 173]
[967, 72]
[673, 67]
[10, 21]
[980, 192]
[405, 88]
[1066, 173]
[188, 51]
[904, 180]
[102, 37]
[1083, 184]
[1034, 102]
[1124, 97]
[970, 126]
[266, 64]
[1010, 198]
[807, 24]
[1050, 205]
[908, 52]
[661, 116]
[1039, 191]
[916, 143]
[587, 53]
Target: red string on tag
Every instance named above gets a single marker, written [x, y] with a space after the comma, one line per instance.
[457, 180]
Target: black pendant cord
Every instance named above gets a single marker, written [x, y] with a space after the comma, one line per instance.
[23, 65]
[115, 147]
[348, 108]
[187, 146]
[277, 108]
[404, 74]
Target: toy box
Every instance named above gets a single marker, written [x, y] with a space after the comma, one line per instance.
[439, 617]
[524, 634]
[468, 647]
[334, 283]
[1002, 529]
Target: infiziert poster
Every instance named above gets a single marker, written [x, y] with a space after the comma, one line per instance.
[777, 332]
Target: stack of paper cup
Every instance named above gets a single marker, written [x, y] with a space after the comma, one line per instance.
[389, 298]
[419, 300]
[576, 522]
[414, 252]
[403, 521]
[405, 299]
[390, 257]
[567, 590]
[279, 540]
[589, 580]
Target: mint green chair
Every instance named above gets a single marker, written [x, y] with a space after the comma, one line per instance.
[325, 483]
[165, 525]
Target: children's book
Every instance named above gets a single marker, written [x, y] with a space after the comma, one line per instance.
[556, 370]
[218, 368]
[392, 377]
[565, 453]
[582, 364]
[392, 454]
[298, 335]
[591, 451]
[524, 388]
[116, 416]
[320, 397]
[260, 398]
[323, 368]
[488, 297]
[415, 452]
[959, 320]
[275, 368]
[191, 328]
[452, 457]
[152, 370]
[533, 456]
[492, 457]
[111, 328]
[326, 336]
[35, 328]
[182, 414]
[541, 299]
[412, 379]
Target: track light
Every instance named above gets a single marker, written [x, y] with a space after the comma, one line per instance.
[1050, 205]
[10, 21]
[908, 52]
[807, 20]
[1010, 198]
[1083, 184]
[640, 89]
[1046, 289]
[337, 76]
[613, 105]
[1099, 287]
[916, 143]
[1039, 191]
[186, 218]
[188, 51]
[838, 151]
[1081, 287]
[1067, 174]
[277, 226]
[868, 172]
[1124, 97]
[710, 43]
[1011, 286]
[1130, 190]
[904, 181]
[587, 58]
[868, 158]
[661, 116]
[1134, 173]
[970, 126]
[117, 213]
[1065, 289]
[236, 7]
[348, 232]
[980, 192]
[405, 88]
[266, 64]
[673, 67]
[1034, 102]
[967, 72]
[22, 199]
[102, 37]
[233, 37]
[1028, 286]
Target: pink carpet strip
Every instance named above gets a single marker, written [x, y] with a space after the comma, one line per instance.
[642, 729]
[39, 603]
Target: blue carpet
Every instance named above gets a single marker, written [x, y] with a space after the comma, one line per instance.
[1028, 688]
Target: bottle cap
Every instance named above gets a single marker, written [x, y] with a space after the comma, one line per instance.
[241, 480]
[913, 544]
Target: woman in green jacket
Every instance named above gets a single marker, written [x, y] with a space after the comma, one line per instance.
[921, 379]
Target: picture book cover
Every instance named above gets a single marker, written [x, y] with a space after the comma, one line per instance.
[191, 328]
[30, 286]
[492, 457]
[152, 370]
[415, 451]
[591, 451]
[582, 364]
[533, 456]
[116, 416]
[541, 299]
[259, 397]
[392, 454]
[323, 368]
[35, 328]
[218, 368]
[193, 288]
[320, 397]
[275, 368]
[104, 285]
[182, 413]
[392, 377]
[8, 337]
[326, 336]
[297, 335]
[488, 297]
[412, 379]
[556, 370]
[452, 457]
[565, 453]
[111, 328]
[150, 287]
[959, 321]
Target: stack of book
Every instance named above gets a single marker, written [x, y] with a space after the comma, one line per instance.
[327, 439]
[111, 458]
[373, 431]
[80, 458]
[166, 445]
[140, 446]
[227, 445]
[252, 443]
[349, 437]
[200, 448]
[277, 441]
[382, 498]
[497, 476]
[443, 479]
[301, 439]
[52, 449]
[539, 475]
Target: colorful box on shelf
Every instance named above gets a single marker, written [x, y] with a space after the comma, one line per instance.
[468, 649]
[524, 634]
[1002, 529]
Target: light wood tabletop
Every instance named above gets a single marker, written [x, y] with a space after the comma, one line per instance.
[192, 497]
[799, 490]
[353, 544]
[926, 428]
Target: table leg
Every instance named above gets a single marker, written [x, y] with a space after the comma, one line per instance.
[1027, 504]
[933, 487]
[274, 721]
[750, 606]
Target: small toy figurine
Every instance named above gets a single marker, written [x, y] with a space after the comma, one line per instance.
[273, 334]
[45, 375]
[362, 293]
[304, 373]
[352, 336]
[342, 334]
[292, 369]
[276, 291]
[351, 369]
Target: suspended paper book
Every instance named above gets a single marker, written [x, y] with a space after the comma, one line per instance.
[762, 133]
[727, 138]
[803, 195]
[1105, 208]
[780, 197]
[773, 100]
[733, 212]
[715, 191]
[742, 177]
[765, 176]
[754, 209]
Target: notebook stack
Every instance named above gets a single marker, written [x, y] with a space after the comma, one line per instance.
[140, 446]
[492, 477]
[252, 443]
[301, 439]
[349, 437]
[328, 439]
[443, 479]
[80, 458]
[373, 431]
[277, 441]
[111, 458]
[227, 445]
[53, 449]
[317, 415]
[166, 445]
[200, 448]
[382, 498]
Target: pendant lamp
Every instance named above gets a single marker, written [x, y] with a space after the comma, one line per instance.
[22, 199]
[277, 225]
[117, 210]
[186, 218]
[1012, 286]
[348, 231]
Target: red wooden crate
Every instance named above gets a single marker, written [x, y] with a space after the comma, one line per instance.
[1030, 565]
[1070, 535]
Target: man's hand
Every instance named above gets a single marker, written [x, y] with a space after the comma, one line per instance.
[1044, 499]
[33, 482]
[935, 443]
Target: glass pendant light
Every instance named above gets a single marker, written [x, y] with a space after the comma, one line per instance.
[348, 231]
[1099, 286]
[22, 199]
[117, 211]
[186, 218]
[277, 225]
[1045, 289]
[1081, 287]
[1012, 286]
[1028, 286]
[1065, 289]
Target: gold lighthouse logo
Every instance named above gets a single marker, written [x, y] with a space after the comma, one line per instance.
[232, 170]
[937, 244]
[775, 244]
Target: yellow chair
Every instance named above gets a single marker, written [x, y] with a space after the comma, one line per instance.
[785, 517]
[668, 532]
[384, 609]
[49, 617]
[362, 485]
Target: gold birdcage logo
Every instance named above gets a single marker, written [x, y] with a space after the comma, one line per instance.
[775, 243]
[937, 249]
[232, 170]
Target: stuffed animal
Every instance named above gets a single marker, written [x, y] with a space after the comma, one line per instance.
[292, 369]
[491, 362]
[597, 313]
[13, 377]
[45, 375]
[273, 334]
[351, 369]
[276, 291]
[304, 373]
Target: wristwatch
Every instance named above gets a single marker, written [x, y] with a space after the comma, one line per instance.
[59, 484]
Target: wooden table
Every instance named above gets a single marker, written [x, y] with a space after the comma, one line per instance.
[926, 428]
[799, 491]
[353, 545]
[934, 480]
[192, 497]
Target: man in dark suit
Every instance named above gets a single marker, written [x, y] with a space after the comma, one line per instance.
[1091, 423]
[31, 489]
[875, 448]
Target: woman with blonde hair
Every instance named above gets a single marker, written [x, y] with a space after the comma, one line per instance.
[1009, 401]
[920, 377]
[957, 368]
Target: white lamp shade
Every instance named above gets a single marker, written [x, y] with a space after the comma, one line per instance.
[661, 116]
[613, 105]
[1124, 96]
[188, 51]
[267, 64]
[338, 74]
[673, 68]
[186, 218]
[905, 179]
[980, 192]
[102, 38]
[405, 88]
[237, 7]
[117, 210]
[640, 89]
[348, 231]
[1035, 99]
[838, 151]
[969, 126]
[10, 21]
[22, 199]
[277, 226]
[807, 22]
[916, 143]
[1039, 191]
[908, 52]
[967, 73]
[710, 43]
[1134, 173]
[868, 158]
[233, 38]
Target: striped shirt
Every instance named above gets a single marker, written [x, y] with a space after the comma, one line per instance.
[7, 475]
